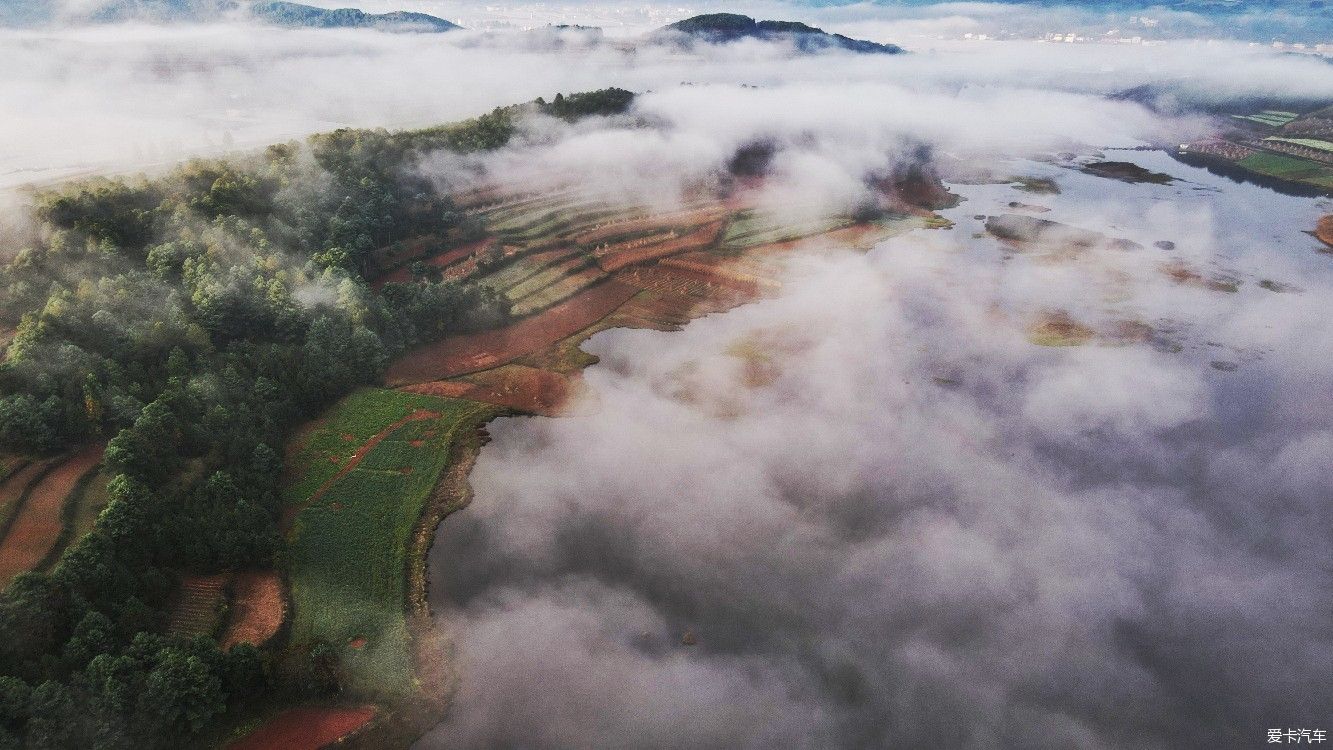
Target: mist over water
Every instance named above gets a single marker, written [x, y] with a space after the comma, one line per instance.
[926, 530]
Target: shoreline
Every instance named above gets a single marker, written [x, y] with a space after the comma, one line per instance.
[431, 646]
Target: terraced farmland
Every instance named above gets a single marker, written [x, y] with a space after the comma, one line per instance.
[197, 609]
[37, 521]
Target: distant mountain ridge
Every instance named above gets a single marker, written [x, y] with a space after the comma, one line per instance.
[307, 16]
[722, 28]
[276, 12]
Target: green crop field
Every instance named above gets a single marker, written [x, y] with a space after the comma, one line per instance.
[1289, 168]
[1314, 143]
[349, 545]
[1270, 117]
[749, 229]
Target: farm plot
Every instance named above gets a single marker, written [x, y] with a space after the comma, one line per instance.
[349, 542]
[615, 257]
[38, 524]
[458, 355]
[21, 475]
[547, 220]
[258, 608]
[527, 276]
[625, 228]
[306, 728]
[197, 608]
[89, 502]
[751, 228]
[527, 389]
[559, 289]
[443, 261]
[1289, 168]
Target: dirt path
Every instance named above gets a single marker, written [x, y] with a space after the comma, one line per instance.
[37, 527]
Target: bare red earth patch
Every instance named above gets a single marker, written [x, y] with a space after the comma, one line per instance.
[14, 485]
[403, 275]
[258, 608]
[458, 355]
[527, 389]
[1324, 230]
[623, 254]
[306, 729]
[37, 526]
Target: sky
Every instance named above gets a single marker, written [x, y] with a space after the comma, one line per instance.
[920, 528]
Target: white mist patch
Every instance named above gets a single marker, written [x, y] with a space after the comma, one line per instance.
[128, 97]
[920, 527]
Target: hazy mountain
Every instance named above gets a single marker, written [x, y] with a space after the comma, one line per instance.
[720, 28]
[295, 14]
[37, 12]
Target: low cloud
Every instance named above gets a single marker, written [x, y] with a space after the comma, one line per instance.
[924, 529]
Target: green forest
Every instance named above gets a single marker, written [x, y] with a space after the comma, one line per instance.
[191, 321]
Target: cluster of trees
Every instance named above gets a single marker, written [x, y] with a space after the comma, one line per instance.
[604, 102]
[192, 321]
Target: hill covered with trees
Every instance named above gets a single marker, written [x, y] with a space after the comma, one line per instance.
[190, 321]
[722, 28]
[296, 14]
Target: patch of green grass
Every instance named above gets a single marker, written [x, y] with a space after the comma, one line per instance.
[349, 546]
[1289, 168]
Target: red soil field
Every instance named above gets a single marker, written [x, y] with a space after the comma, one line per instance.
[860, 236]
[649, 223]
[12, 488]
[616, 257]
[306, 729]
[720, 271]
[1324, 230]
[526, 389]
[674, 297]
[36, 528]
[413, 248]
[257, 608]
[458, 355]
[439, 261]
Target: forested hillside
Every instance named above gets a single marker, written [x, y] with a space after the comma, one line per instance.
[189, 322]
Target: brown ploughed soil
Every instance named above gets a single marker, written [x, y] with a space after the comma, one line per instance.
[257, 608]
[459, 355]
[306, 729]
[37, 526]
